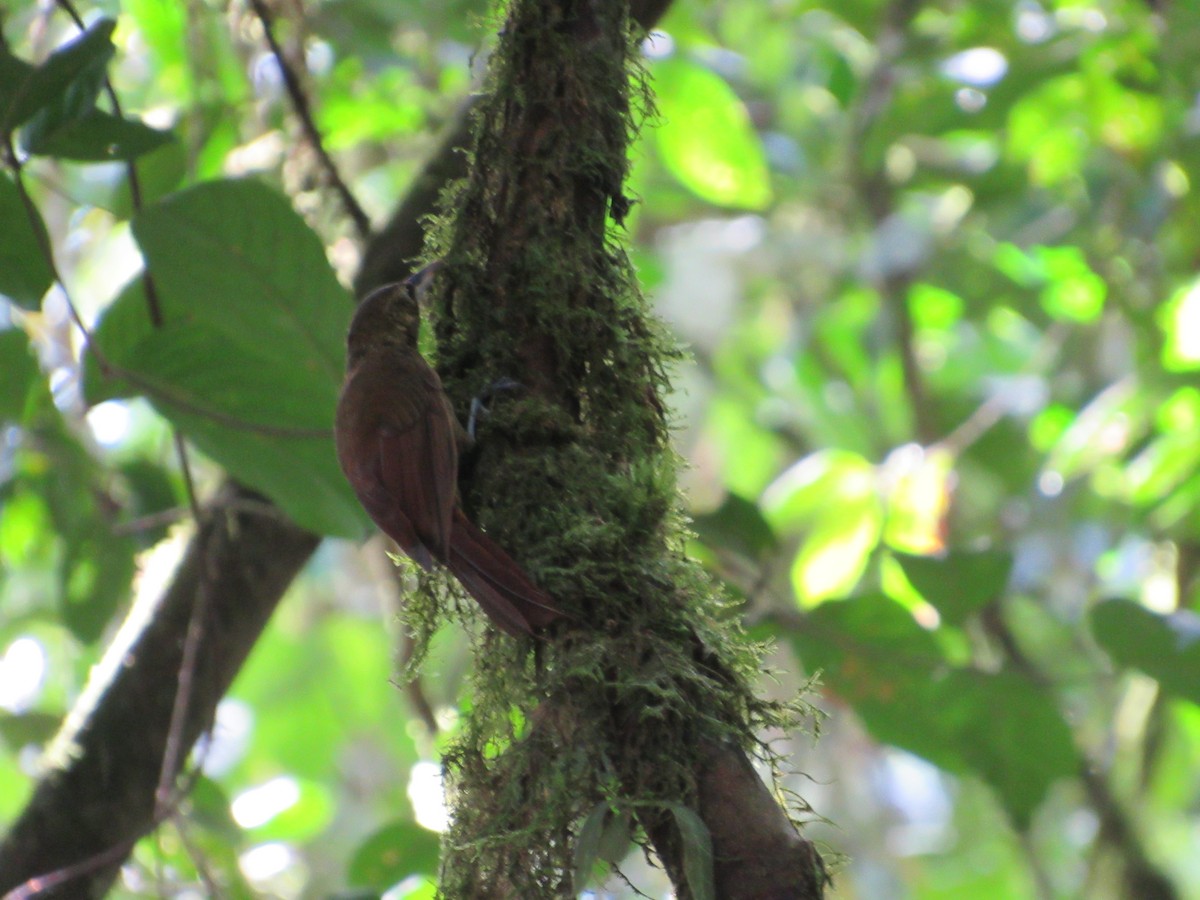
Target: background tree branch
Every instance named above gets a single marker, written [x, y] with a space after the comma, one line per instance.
[99, 790]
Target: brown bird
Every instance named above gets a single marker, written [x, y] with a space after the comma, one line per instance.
[398, 443]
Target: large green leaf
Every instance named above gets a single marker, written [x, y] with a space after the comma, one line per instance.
[25, 273]
[999, 726]
[697, 852]
[1164, 646]
[249, 356]
[706, 138]
[69, 126]
[244, 411]
[235, 254]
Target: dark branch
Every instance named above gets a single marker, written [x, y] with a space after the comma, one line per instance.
[100, 790]
[303, 111]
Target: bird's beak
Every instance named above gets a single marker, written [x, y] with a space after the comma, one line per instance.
[419, 281]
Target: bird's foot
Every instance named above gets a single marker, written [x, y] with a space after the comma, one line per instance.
[479, 408]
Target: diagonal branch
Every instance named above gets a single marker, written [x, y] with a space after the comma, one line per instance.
[99, 791]
[303, 110]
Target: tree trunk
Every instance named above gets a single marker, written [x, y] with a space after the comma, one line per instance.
[644, 701]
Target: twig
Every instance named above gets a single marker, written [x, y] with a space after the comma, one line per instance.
[135, 184]
[303, 110]
[877, 194]
[415, 689]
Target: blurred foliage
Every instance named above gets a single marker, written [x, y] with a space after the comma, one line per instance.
[937, 267]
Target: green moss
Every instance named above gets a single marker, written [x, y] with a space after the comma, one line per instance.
[574, 475]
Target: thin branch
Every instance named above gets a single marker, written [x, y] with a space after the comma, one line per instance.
[876, 192]
[40, 884]
[135, 184]
[303, 110]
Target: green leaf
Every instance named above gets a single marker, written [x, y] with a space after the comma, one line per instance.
[260, 418]
[124, 324]
[235, 255]
[835, 553]
[808, 488]
[26, 90]
[960, 583]
[706, 139]
[999, 726]
[834, 496]
[248, 359]
[697, 852]
[394, 852]
[737, 525]
[97, 136]
[25, 271]
[21, 373]
[604, 835]
[1164, 646]
[1010, 732]
[159, 172]
[587, 844]
[617, 837]
[77, 101]
[15, 78]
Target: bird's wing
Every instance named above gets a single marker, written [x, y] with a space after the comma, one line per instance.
[418, 458]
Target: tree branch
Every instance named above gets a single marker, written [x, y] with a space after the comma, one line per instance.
[303, 110]
[104, 768]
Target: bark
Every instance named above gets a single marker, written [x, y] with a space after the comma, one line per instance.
[539, 291]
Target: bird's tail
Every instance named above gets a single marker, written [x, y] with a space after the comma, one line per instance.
[497, 583]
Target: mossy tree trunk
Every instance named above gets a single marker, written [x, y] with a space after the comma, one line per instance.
[643, 703]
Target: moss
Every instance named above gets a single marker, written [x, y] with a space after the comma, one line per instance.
[575, 475]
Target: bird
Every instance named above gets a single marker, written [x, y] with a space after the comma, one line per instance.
[398, 443]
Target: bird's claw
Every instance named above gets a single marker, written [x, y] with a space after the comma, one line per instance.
[479, 409]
